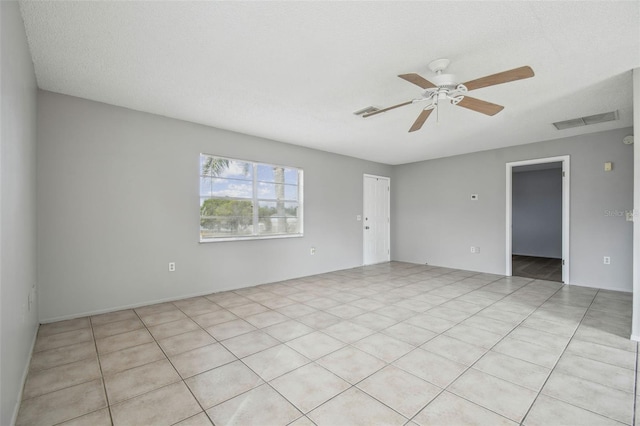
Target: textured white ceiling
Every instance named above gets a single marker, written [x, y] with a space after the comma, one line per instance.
[296, 71]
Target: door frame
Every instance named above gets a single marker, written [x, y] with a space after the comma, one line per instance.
[566, 198]
[388, 236]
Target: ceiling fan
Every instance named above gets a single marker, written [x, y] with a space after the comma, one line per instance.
[445, 87]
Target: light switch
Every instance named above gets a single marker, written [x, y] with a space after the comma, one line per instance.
[608, 166]
[474, 197]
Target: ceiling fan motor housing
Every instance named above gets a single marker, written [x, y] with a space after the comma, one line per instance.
[447, 81]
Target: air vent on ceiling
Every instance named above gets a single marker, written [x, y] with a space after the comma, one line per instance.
[586, 121]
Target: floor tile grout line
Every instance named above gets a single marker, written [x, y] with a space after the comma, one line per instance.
[487, 351]
[76, 384]
[416, 347]
[128, 369]
[397, 321]
[470, 291]
[350, 385]
[104, 384]
[182, 379]
[559, 357]
[444, 389]
[60, 365]
[556, 364]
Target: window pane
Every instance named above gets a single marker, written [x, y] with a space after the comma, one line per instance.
[206, 186]
[222, 167]
[225, 226]
[277, 174]
[271, 208]
[265, 173]
[291, 176]
[231, 188]
[238, 170]
[223, 208]
[279, 226]
[278, 218]
[291, 192]
[274, 191]
[217, 187]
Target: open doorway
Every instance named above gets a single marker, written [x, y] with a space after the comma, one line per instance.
[538, 219]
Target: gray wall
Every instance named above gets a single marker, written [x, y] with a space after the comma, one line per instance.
[17, 207]
[635, 327]
[118, 200]
[537, 213]
[435, 220]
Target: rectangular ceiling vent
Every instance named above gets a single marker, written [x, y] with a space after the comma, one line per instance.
[587, 121]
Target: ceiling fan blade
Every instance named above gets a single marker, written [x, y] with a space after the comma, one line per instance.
[501, 77]
[417, 80]
[369, 114]
[417, 125]
[480, 106]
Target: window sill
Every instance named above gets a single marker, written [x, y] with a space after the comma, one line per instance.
[250, 238]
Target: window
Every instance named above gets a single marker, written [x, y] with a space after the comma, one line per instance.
[246, 200]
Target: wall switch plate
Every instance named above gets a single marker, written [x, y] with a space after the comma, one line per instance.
[474, 197]
[172, 266]
[629, 216]
[608, 166]
[359, 218]
[607, 260]
[312, 251]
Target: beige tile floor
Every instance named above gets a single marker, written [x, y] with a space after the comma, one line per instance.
[389, 344]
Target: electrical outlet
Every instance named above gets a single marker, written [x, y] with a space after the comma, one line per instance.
[312, 251]
[172, 266]
[477, 250]
[607, 260]
[473, 249]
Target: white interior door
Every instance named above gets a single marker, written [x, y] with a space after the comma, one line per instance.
[376, 220]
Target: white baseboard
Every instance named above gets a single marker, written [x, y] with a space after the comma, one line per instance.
[132, 306]
[23, 380]
[173, 298]
[605, 287]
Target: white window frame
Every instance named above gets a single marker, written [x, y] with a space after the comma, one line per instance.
[255, 201]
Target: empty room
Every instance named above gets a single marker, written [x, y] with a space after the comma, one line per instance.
[319, 213]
